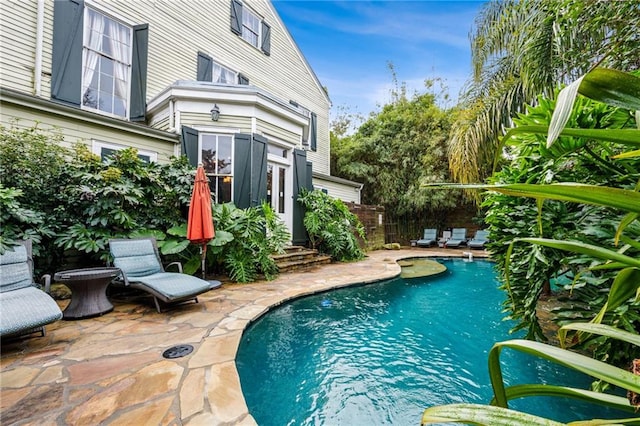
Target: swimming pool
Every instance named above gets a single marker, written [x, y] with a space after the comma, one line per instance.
[382, 353]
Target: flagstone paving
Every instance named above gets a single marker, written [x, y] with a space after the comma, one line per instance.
[110, 369]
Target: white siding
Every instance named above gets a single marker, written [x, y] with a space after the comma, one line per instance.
[80, 131]
[337, 190]
[18, 46]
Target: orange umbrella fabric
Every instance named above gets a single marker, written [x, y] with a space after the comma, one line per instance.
[200, 223]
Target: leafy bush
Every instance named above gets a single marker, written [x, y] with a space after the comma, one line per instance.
[245, 240]
[622, 90]
[332, 228]
[71, 203]
[116, 198]
[32, 168]
[569, 159]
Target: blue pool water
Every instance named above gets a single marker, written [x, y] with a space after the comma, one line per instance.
[380, 354]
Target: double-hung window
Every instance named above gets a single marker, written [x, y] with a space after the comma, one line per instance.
[250, 26]
[217, 159]
[106, 70]
[98, 62]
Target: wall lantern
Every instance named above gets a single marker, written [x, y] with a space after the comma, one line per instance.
[215, 112]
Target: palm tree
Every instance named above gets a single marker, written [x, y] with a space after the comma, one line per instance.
[521, 49]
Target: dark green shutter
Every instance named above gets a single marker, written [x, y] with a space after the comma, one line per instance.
[309, 176]
[313, 131]
[236, 17]
[190, 145]
[258, 170]
[266, 38]
[242, 79]
[299, 232]
[242, 170]
[139, 73]
[66, 60]
[205, 67]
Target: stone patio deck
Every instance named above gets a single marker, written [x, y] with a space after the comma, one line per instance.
[110, 370]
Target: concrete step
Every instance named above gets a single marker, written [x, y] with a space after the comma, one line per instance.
[295, 255]
[301, 264]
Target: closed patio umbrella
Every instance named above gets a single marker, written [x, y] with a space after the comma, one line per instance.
[200, 224]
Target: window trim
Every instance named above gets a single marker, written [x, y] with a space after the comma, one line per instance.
[87, 10]
[97, 145]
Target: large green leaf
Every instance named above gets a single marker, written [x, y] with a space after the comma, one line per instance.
[482, 415]
[612, 87]
[606, 196]
[562, 113]
[584, 248]
[594, 368]
[624, 287]
[173, 246]
[629, 137]
[599, 329]
[600, 398]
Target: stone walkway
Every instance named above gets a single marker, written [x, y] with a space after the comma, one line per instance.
[110, 370]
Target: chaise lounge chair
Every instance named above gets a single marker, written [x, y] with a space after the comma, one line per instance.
[428, 238]
[139, 261]
[479, 240]
[24, 308]
[458, 238]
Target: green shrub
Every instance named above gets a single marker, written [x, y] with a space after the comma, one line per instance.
[332, 228]
[71, 203]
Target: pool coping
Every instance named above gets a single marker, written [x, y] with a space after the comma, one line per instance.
[109, 369]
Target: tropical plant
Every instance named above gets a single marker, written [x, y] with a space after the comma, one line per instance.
[332, 228]
[243, 244]
[532, 269]
[114, 199]
[622, 90]
[521, 49]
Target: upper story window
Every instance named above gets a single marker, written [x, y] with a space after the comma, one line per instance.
[310, 130]
[98, 63]
[249, 26]
[222, 74]
[106, 70]
[211, 70]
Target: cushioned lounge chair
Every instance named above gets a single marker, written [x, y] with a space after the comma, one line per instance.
[479, 240]
[428, 238]
[24, 308]
[458, 238]
[139, 261]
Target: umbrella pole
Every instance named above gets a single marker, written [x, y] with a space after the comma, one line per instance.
[203, 251]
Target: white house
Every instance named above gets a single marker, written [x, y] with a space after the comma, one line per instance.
[220, 81]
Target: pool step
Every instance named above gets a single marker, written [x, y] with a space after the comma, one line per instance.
[298, 258]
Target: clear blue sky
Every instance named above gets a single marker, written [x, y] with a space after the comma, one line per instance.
[349, 43]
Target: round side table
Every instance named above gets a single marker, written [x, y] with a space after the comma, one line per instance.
[88, 291]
